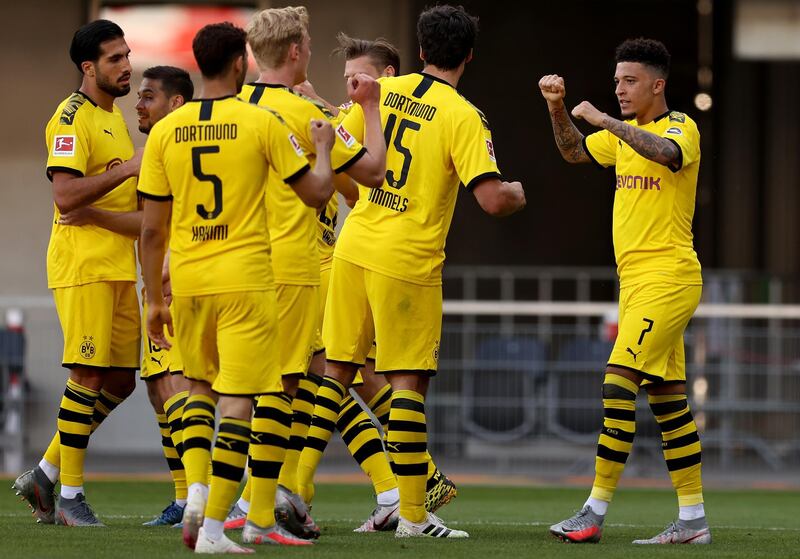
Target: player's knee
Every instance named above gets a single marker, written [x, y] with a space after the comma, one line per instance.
[87, 377]
[153, 394]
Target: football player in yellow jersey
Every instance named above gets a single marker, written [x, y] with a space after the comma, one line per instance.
[377, 58]
[280, 43]
[163, 89]
[386, 277]
[92, 271]
[656, 153]
[208, 163]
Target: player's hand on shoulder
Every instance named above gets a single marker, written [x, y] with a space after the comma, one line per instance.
[134, 164]
[363, 89]
[588, 112]
[322, 134]
[552, 88]
[305, 88]
[78, 216]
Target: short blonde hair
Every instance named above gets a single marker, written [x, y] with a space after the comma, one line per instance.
[271, 32]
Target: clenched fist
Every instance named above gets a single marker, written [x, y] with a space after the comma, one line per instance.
[322, 134]
[586, 111]
[552, 88]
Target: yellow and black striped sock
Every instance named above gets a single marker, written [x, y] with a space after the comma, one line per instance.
[272, 423]
[616, 437]
[302, 410]
[171, 455]
[198, 435]
[228, 463]
[106, 403]
[305, 473]
[103, 406]
[380, 405]
[407, 441]
[364, 443]
[326, 411]
[681, 445]
[53, 452]
[174, 414]
[74, 428]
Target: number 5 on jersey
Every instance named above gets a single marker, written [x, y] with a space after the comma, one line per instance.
[215, 181]
[399, 182]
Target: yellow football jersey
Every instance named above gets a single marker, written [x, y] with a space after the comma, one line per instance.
[653, 205]
[85, 140]
[436, 139]
[212, 157]
[293, 225]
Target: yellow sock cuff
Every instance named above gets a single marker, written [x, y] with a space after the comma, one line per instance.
[82, 390]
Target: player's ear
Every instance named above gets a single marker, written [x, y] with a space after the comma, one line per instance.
[658, 86]
[176, 101]
[421, 54]
[389, 71]
[469, 56]
[88, 68]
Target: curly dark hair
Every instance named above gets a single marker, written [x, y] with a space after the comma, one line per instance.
[645, 51]
[216, 45]
[446, 35]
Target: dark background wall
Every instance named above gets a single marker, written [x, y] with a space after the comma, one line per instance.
[568, 217]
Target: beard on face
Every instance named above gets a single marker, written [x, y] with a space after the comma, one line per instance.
[145, 128]
[104, 84]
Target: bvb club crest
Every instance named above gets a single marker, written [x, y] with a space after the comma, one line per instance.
[87, 349]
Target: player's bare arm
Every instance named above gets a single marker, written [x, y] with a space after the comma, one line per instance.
[123, 223]
[370, 170]
[315, 187]
[569, 139]
[648, 145]
[71, 192]
[155, 231]
[499, 198]
[347, 187]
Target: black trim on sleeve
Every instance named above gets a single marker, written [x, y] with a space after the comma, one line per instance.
[155, 197]
[474, 182]
[306, 168]
[71, 171]
[351, 161]
[589, 153]
[680, 157]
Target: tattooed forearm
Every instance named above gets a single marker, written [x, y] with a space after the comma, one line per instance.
[648, 145]
[568, 137]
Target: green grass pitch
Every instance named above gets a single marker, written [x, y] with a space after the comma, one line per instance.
[502, 522]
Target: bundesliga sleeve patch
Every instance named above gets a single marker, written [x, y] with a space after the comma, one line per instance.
[675, 131]
[346, 137]
[490, 149]
[64, 146]
[296, 145]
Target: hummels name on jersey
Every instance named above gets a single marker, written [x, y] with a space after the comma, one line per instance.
[388, 199]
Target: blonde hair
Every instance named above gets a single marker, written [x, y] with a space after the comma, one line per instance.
[271, 32]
